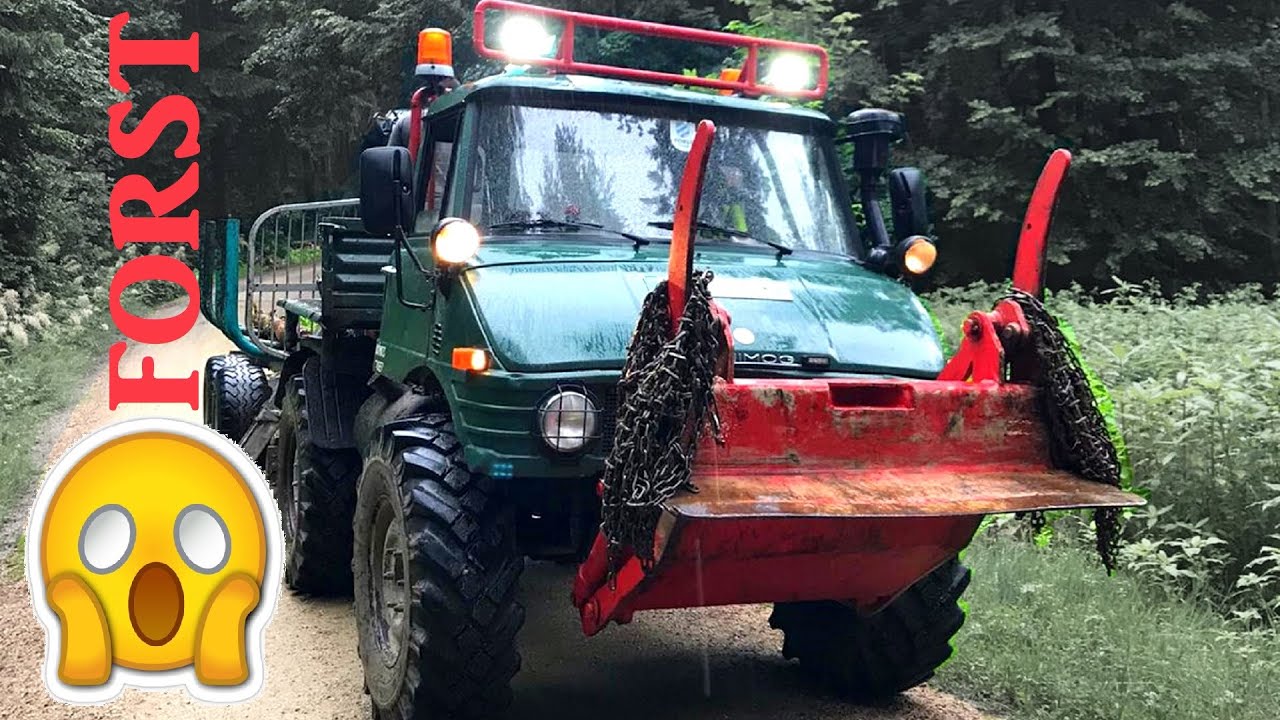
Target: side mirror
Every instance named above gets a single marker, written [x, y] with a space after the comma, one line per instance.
[906, 198]
[386, 190]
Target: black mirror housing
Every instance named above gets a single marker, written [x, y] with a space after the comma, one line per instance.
[907, 201]
[386, 190]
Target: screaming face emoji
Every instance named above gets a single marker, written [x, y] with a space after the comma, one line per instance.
[152, 552]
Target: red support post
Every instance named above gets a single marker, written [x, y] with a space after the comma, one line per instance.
[1028, 267]
[680, 259]
[416, 104]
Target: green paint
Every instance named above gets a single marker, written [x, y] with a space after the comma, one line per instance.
[556, 312]
[588, 89]
[573, 304]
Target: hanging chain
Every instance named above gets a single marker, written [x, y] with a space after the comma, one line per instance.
[665, 397]
[1079, 440]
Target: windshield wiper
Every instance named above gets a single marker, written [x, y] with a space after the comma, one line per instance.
[567, 225]
[783, 250]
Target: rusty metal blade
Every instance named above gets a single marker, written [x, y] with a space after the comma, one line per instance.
[834, 492]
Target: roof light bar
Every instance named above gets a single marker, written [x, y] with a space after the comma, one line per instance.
[750, 82]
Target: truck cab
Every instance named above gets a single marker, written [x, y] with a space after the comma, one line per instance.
[570, 183]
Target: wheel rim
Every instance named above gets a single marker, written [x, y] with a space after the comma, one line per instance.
[388, 581]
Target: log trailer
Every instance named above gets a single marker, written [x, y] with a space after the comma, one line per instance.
[438, 396]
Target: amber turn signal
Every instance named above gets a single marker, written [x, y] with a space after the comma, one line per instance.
[471, 359]
[918, 255]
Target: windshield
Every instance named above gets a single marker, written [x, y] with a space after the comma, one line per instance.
[621, 171]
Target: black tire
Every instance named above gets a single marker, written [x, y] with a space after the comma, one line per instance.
[438, 540]
[234, 391]
[315, 489]
[870, 658]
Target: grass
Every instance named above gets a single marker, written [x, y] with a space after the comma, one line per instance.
[1049, 636]
[36, 382]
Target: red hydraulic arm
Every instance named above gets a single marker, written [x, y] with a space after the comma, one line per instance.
[1028, 267]
[981, 357]
[596, 598]
[680, 260]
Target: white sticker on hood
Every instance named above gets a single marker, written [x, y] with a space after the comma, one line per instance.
[750, 288]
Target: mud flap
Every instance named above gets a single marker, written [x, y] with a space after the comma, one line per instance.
[847, 489]
[332, 398]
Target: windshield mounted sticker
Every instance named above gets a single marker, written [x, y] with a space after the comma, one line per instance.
[682, 135]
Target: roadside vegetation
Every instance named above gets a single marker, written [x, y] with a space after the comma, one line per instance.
[1050, 637]
[36, 382]
[1188, 626]
[47, 374]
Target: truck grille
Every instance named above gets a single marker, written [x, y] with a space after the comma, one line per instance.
[437, 337]
[607, 396]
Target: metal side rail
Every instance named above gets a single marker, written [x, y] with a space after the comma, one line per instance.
[283, 263]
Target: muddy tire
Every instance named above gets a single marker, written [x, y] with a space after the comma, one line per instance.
[877, 656]
[315, 489]
[234, 391]
[436, 569]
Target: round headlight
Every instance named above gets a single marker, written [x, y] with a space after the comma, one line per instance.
[455, 241]
[567, 420]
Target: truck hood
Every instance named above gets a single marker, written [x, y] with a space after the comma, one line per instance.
[575, 308]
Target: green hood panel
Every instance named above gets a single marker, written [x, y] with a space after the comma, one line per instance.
[563, 306]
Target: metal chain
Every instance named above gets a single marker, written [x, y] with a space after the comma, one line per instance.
[665, 398]
[1079, 440]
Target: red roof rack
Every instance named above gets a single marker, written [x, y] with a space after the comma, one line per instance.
[749, 83]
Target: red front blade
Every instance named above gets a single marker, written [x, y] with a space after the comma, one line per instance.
[847, 489]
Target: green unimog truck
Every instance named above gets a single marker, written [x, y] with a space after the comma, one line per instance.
[434, 397]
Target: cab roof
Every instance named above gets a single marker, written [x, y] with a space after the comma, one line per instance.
[589, 85]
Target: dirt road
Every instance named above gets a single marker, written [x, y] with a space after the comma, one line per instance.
[711, 663]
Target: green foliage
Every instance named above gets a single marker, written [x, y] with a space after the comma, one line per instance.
[1196, 386]
[1167, 107]
[37, 382]
[52, 168]
[1053, 638]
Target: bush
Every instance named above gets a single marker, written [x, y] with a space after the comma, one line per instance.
[1196, 381]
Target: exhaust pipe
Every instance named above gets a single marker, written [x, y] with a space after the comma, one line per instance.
[873, 130]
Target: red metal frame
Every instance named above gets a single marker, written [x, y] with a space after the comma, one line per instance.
[416, 105]
[748, 84]
[848, 489]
